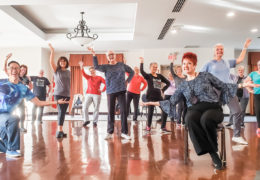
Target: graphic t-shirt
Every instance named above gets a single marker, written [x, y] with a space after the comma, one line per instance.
[12, 94]
[39, 86]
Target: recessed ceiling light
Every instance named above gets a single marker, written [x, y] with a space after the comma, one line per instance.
[254, 30]
[230, 14]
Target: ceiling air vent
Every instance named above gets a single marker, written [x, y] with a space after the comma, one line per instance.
[192, 46]
[166, 27]
[178, 6]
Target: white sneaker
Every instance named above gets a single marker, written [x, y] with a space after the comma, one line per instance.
[125, 136]
[108, 136]
[239, 140]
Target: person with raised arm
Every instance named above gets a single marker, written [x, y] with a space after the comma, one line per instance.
[116, 89]
[220, 68]
[255, 77]
[204, 106]
[154, 91]
[12, 92]
[61, 89]
[93, 93]
[178, 78]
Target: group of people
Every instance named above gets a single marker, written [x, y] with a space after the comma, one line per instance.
[195, 98]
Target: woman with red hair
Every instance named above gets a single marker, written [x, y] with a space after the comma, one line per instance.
[204, 111]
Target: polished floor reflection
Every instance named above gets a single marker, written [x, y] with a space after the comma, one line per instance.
[84, 154]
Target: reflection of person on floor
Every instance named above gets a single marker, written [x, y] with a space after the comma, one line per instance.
[204, 110]
[93, 94]
[12, 92]
[39, 89]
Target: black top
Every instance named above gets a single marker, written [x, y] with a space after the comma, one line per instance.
[25, 80]
[154, 85]
[240, 90]
[39, 86]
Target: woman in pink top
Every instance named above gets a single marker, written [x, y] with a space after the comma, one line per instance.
[93, 94]
[133, 92]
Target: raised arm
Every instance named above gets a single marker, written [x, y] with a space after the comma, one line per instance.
[243, 52]
[144, 74]
[82, 70]
[6, 60]
[52, 63]
[98, 67]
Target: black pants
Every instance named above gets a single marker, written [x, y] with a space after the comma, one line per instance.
[202, 120]
[129, 97]
[165, 115]
[62, 109]
[257, 108]
[111, 100]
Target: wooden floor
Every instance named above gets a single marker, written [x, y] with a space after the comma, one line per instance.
[84, 154]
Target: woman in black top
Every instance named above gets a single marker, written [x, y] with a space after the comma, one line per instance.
[154, 91]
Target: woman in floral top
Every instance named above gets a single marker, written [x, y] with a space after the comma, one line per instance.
[204, 106]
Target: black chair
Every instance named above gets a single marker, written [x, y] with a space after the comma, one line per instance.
[77, 104]
[221, 130]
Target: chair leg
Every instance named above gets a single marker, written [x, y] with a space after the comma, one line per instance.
[186, 145]
[223, 147]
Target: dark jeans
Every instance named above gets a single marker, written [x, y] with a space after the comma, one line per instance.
[21, 107]
[243, 103]
[257, 108]
[111, 100]
[165, 115]
[40, 108]
[129, 97]
[202, 120]
[62, 109]
[181, 111]
[9, 132]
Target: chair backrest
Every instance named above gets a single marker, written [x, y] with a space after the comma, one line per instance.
[77, 99]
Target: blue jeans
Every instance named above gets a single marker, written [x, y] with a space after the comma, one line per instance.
[9, 132]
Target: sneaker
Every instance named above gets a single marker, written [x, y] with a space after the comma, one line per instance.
[239, 140]
[60, 134]
[165, 131]
[242, 126]
[125, 136]
[258, 132]
[23, 130]
[86, 123]
[229, 125]
[94, 124]
[238, 147]
[108, 136]
[12, 153]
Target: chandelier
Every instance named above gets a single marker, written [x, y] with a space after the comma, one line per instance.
[81, 33]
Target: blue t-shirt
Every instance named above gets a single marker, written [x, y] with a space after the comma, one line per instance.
[255, 76]
[12, 94]
[220, 69]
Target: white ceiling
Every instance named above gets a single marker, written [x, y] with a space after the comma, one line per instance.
[129, 24]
